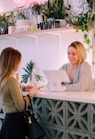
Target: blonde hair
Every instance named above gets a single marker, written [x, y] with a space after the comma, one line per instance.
[9, 61]
[80, 50]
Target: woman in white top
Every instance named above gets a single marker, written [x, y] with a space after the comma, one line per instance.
[77, 69]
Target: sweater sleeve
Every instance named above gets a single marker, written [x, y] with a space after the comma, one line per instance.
[83, 79]
[16, 94]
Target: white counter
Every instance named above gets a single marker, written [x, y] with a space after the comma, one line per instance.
[86, 97]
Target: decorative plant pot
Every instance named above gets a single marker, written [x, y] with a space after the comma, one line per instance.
[63, 23]
[2, 30]
[60, 23]
[23, 22]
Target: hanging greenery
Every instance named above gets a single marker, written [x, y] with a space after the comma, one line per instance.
[85, 21]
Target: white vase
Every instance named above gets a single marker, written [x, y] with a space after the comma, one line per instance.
[23, 25]
[39, 19]
[22, 22]
[11, 29]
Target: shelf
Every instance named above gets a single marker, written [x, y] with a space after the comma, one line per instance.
[35, 33]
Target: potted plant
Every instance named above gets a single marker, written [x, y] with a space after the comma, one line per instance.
[3, 23]
[22, 22]
[37, 8]
[30, 73]
[37, 11]
[11, 19]
[55, 9]
[11, 22]
[85, 21]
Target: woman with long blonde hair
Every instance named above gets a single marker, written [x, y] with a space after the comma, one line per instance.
[78, 70]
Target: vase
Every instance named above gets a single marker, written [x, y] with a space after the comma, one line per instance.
[2, 30]
[62, 23]
[23, 25]
[59, 23]
[39, 19]
[11, 29]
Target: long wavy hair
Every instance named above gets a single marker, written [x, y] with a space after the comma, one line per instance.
[9, 62]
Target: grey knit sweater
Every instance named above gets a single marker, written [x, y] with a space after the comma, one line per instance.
[82, 80]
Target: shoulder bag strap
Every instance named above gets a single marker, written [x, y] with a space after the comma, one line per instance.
[30, 105]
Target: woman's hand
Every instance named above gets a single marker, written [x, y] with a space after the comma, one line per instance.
[33, 91]
[26, 88]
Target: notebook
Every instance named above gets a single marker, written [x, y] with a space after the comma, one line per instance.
[55, 79]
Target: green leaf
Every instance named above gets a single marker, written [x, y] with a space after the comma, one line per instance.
[38, 77]
[88, 41]
[85, 36]
[28, 72]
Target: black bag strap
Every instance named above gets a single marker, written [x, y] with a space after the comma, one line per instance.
[29, 99]
[30, 104]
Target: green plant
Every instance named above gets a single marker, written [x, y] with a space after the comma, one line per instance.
[37, 8]
[38, 77]
[85, 21]
[20, 15]
[55, 9]
[87, 41]
[28, 72]
[4, 22]
[11, 19]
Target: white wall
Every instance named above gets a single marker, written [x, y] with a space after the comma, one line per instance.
[48, 49]
[8, 5]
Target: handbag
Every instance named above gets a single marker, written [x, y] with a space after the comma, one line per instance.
[33, 129]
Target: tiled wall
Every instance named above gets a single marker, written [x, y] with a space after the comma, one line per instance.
[64, 119]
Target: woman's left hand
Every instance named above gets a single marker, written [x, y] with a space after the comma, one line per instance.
[26, 88]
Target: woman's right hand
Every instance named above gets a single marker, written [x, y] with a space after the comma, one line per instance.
[33, 91]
